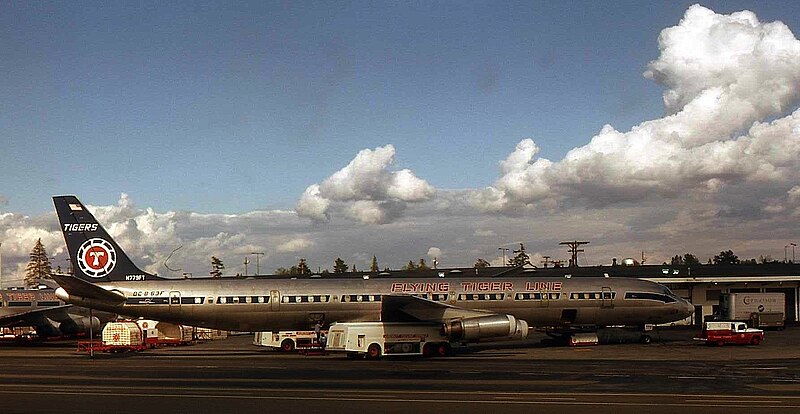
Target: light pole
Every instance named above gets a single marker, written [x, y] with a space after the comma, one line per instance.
[785, 249]
[504, 249]
[793, 247]
[246, 262]
[258, 265]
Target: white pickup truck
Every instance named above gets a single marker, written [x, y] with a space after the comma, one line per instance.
[721, 333]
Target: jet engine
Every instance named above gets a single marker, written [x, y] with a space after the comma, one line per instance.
[486, 327]
[79, 326]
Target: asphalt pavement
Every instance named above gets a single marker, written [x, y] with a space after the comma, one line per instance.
[674, 373]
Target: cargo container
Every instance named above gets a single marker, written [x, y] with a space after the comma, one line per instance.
[119, 336]
[759, 309]
[584, 339]
[207, 334]
[172, 334]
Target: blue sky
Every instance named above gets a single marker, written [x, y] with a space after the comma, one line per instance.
[226, 107]
[404, 130]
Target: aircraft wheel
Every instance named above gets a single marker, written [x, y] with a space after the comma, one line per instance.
[287, 345]
[374, 351]
[428, 350]
[443, 350]
[645, 339]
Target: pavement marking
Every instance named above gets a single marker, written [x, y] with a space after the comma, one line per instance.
[691, 377]
[776, 387]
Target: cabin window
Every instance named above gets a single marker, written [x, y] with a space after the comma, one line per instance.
[47, 303]
[18, 303]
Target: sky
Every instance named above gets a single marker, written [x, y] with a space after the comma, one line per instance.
[401, 130]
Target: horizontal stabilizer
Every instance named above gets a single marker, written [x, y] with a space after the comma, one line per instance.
[24, 318]
[76, 287]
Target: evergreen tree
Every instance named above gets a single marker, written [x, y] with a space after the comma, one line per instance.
[481, 263]
[690, 260]
[521, 258]
[339, 266]
[354, 268]
[726, 258]
[38, 267]
[374, 266]
[410, 266]
[687, 259]
[216, 267]
[302, 267]
[422, 265]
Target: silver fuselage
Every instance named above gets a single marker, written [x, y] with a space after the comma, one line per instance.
[260, 304]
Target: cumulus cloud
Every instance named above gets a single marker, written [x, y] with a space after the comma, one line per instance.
[435, 253]
[725, 76]
[313, 205]
[366, 189]
[295, 245]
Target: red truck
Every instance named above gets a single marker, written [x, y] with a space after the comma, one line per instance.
[721, 333]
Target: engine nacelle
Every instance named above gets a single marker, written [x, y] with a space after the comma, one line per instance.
[79, 326]
[486, 327]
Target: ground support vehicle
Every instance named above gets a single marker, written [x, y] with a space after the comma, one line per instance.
[758, 309]
[727, 332]
[288, 341]
[375, 339]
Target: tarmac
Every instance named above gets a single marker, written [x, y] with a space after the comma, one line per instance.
[674, 373]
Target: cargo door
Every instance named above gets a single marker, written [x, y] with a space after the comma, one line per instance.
[543, 299]
[174, 299]
[606, 298]
[275, 300]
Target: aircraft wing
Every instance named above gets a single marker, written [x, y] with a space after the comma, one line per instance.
[31, 317]
[404, 308]
[80, 288]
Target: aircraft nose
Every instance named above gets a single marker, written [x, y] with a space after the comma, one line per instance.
[688, 308]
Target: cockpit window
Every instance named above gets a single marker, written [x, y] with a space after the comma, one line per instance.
[650, 296]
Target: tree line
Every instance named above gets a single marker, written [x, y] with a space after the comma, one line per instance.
[39, 266]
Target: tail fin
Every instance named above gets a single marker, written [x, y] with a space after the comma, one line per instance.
[94, 255]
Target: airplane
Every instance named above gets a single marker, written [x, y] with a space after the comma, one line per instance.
[50, 317]
[469, 307]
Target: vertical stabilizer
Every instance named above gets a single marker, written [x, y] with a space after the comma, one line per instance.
[94, 255]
